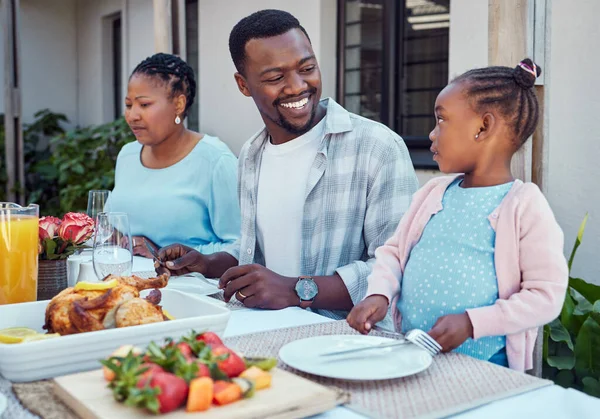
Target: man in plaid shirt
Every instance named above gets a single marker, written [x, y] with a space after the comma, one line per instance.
[320, 188]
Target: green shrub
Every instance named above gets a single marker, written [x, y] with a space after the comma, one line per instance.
[61, 167]
[85, 159]
[572, 342]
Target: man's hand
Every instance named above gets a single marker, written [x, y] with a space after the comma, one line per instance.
[452, 330]
[178, 259]
[369, 311]
[258, 287]
[139, 246]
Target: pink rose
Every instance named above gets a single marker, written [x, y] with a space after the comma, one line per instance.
[48, 227]
[76, 227]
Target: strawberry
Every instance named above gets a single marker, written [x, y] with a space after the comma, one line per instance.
[230, 363]
[172, 393]
[203, 370]
[210, 338]
[185, 350]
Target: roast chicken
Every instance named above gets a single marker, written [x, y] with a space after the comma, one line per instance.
[78, 310]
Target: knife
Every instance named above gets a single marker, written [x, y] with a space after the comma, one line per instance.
[368, 348]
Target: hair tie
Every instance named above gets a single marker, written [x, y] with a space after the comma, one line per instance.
[526, 67]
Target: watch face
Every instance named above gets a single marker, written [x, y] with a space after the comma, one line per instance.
[306, 289]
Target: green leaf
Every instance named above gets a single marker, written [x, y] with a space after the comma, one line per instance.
[50, 247]
[566, 315]
[558, 333]
[587, 356]
[562, 362]
[565, 378]
[589, 291]
[591, 386]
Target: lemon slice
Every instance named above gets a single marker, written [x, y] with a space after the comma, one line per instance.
[15, 334]
[40, 336]
[96, 286]
[168, 315]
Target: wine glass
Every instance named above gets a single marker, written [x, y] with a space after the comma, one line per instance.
[98, 201]
[112, 253]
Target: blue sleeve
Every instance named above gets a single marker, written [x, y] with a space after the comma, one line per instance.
[223, 208]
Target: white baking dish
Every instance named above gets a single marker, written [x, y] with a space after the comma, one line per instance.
[43, 359]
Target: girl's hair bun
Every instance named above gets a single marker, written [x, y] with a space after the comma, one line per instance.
[526, 72]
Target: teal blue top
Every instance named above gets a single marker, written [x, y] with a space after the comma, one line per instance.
[451, 268]
[193, 202]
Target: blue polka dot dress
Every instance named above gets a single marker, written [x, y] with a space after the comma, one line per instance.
[451, 268]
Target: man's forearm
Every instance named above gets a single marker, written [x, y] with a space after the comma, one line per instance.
[333, 294]
[218, 263]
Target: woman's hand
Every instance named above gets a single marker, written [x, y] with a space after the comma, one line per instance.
[178, 259]
[138, 244]
[369, 311]
[452, 330]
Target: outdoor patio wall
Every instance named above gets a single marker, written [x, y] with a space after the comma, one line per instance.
[468, 47]
[138, 43]
[224, 111]
[48, 58]
[574, 107]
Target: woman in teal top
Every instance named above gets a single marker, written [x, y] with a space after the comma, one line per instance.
[176, 185]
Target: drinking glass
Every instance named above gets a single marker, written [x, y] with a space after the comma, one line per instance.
[98, 201]
[112, 253]
[18, 253]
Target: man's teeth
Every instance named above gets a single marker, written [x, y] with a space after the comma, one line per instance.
[296, 105]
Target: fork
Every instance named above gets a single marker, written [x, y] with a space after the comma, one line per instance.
[424, 341]
[153, 252]
[416, 337]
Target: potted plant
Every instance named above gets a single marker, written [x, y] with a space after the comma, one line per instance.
[59, 239]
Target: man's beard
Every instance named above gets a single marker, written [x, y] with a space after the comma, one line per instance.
[289, 127]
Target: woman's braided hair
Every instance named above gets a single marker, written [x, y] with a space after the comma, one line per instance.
[507, 90]
[172, 70]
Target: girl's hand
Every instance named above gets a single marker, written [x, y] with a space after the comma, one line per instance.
[368, 312]
[452, 330]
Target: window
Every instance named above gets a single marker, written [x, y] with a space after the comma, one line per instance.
[392, 63]
[117, 67]
[112, 67]
[192, 57]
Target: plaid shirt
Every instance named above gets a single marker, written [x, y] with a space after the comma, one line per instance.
[358, 188]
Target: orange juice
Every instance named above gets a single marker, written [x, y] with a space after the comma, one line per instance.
[18, 258]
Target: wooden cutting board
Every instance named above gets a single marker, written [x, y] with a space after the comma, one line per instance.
[290, 396]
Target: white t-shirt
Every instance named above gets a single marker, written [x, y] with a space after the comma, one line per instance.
[282, 186]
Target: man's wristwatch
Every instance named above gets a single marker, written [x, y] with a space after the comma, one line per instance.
[307, 290]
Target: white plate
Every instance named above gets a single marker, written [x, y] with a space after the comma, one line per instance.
[68, 354]
[194, 284]
[3, 403]
[376, 364]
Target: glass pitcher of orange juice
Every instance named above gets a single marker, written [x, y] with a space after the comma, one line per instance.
[18, 253]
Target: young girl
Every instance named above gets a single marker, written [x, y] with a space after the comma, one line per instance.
[477, 259]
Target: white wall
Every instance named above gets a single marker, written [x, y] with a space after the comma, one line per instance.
[138, 43]
[48, 58]
[224, 111]
[468, 36]
[574, 106]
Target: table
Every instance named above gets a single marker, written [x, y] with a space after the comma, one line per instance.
[549, 402]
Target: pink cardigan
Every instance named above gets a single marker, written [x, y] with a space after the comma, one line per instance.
[530, 266]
